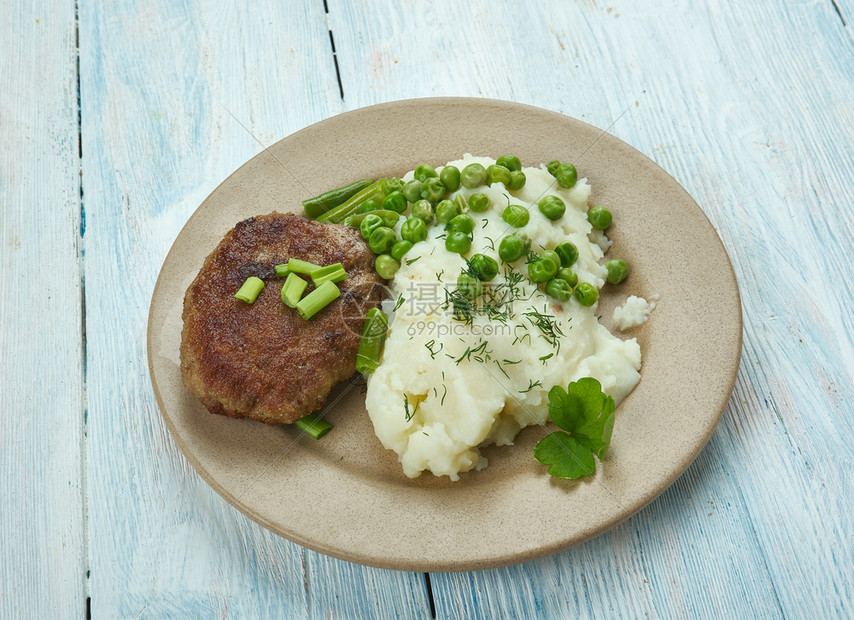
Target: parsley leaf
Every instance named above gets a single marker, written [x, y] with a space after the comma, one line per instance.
[587, 416]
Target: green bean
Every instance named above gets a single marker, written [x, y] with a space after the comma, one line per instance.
[368, 206]
[374, 191]
[371, 344]
[319, 205]
[389, 218]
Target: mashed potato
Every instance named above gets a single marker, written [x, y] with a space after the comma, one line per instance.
[444, 387]
[634, 312]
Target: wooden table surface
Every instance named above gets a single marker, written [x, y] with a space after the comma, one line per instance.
[118, 118]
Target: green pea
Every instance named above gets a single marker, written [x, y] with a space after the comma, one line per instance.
[462, 223]
[386, 266]
[392, 185]
[446, 211]
[412, 190]
[484, 267]
[399, 249]
[382, 239]
[617, 271]
[457, 242]
[552, 167]
[517, 180]
[369, 224]
[559, 289]
[568, 253]
[497, 174]
[599, 217]
[553, 257]
[586, 294]
[473, 176]
[423, 210]
[369, 205]
[566, 175]
[414, 229]
[541, 270]
[479, 203]
[552, 207]
[516, 215]
[568, 275]
[450, 178]
[511, 162]
[511, 248]
[432, 190]
[395, 201]
[424, 172]
[469, 286]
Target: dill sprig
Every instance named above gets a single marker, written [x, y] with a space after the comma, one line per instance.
[548, 326]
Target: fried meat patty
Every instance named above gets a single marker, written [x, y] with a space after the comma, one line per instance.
[263, 360]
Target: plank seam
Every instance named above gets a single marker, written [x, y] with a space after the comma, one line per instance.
[81, 256]
[334, 53]
[838, 12]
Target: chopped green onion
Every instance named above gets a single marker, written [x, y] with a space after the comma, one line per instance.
[293, 289]
[282, 271]
[373, 339]
[318, 299]
[331, 273]
[250, 289]
[296, 265]
[314, 425]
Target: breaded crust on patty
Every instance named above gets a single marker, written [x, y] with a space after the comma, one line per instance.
[263, 360]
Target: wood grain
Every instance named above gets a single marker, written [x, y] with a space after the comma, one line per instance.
[748, 106]
[175, 96]
[42, 572]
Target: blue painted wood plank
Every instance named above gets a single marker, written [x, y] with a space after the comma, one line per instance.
[167, 89]
[749, 108]
[42, 554]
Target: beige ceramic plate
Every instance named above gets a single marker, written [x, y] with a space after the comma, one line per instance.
[345, 495]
